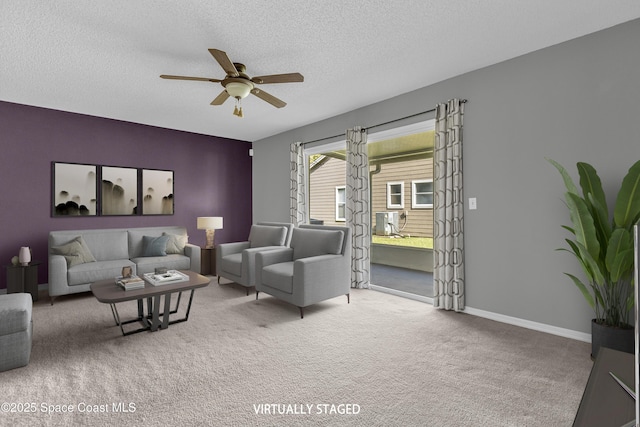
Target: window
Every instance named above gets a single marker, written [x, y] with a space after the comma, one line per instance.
[341, 199]
[422, 194]
[395, 195]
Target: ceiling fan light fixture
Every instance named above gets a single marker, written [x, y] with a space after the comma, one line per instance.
[238, 90]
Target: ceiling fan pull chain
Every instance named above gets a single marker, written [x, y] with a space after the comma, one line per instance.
[235, 109]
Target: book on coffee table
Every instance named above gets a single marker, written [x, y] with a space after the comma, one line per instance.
[130, 283]
[171, 276]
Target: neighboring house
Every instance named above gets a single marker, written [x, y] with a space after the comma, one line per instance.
[405, 187]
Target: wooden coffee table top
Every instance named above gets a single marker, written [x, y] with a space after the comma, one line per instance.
[107, 291]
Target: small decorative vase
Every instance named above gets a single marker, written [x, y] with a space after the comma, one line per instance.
[24, 255]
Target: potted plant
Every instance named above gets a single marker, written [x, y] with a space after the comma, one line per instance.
[604, 249]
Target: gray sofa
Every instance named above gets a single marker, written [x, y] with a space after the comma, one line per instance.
[316, 267]
[78, 258]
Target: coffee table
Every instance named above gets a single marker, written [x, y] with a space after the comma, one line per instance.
[108, 292]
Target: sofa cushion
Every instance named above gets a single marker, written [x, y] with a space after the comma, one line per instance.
[100, 270]
[266, 235]
[176, 243]
[154, 246]
[15, 313]
[279, 276]
[232, 264]
[75, 252]
[308, 242]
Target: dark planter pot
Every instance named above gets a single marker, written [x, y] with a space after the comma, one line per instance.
[621, 339]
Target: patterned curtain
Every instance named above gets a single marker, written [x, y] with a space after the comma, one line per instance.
[298, 198]
[448, 244]
[358, 211]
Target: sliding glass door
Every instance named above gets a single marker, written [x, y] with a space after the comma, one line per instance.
[401, 181]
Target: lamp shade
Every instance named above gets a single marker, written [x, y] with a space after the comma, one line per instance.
[209, 222]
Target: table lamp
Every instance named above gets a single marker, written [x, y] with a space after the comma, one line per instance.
[210, 224]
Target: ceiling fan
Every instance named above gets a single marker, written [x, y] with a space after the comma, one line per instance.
[238, 84]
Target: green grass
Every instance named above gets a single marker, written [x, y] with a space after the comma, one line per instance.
[415, 242]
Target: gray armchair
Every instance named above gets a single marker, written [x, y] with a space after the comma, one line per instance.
[316, 267]
[236, 261]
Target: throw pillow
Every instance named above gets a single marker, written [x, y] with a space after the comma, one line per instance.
[176, 243]
[266, 235]
[75, 252]
[154, 246]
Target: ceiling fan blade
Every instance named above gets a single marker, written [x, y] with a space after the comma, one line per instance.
[202, 79]
[279, 78]
[278, 103]
[220, 98]
[224, 62]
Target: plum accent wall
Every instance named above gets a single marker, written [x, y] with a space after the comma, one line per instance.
[212, 176]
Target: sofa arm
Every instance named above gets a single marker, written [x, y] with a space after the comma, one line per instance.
[249, 265]
[266, 258]
[58, 283]
[320, 277]
[274, 256]
[224, 249]
[193, 252]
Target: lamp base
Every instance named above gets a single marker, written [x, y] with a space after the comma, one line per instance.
[210, 235]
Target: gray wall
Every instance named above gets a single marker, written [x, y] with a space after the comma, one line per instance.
[577, 101]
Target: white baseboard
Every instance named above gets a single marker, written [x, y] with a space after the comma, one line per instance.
[536, 326]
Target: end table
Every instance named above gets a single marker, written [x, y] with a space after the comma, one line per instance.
[207, 261]
[23, 278]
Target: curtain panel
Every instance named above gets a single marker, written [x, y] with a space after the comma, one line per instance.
[358, 210]
[448, 242]
[298, 198]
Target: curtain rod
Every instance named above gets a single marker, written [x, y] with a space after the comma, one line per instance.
[380, 124]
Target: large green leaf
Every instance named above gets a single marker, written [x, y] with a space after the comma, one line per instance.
[592, 266]
[601, 220]
[622, 265]
[620, 243]
[627, 209]
[583, 224]
[568, 182]
[591, 184]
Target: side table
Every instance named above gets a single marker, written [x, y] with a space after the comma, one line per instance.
[207, 261]
[604, 403]
[23, 278]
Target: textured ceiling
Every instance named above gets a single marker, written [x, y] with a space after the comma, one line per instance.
[104, 58]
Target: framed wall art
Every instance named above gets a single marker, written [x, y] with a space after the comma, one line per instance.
[118, 191]
[157, 192]
[74, 189]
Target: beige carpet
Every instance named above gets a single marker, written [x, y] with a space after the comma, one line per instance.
[387, 360]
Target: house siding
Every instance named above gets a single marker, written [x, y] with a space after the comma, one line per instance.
[419, 222]
[322, 191]
[326, 178]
